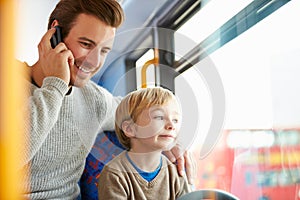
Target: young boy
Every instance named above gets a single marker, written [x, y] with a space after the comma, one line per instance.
[147, 123]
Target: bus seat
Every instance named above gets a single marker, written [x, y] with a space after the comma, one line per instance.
[105, 148]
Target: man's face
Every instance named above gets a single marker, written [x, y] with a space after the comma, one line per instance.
[89, 40]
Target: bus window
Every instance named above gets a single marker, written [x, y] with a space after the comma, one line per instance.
[256, 155]
[208, 21]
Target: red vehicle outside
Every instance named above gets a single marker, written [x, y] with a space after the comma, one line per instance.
[254, 164]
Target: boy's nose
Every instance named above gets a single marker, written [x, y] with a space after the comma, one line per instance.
[170, 125]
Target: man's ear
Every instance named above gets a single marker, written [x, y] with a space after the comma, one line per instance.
[128, 129]
[54, 23]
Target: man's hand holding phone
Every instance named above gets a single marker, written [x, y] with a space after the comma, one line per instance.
[55, 61]
[56, 37]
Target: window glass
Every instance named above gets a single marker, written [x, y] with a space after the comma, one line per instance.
[211, 17]
[257, 153]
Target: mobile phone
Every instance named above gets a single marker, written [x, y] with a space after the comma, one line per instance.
[56, 37]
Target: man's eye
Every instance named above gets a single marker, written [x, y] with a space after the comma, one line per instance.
[86, 45]
[104, 51]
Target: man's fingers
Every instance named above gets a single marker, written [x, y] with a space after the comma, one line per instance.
[191, 167]
[186, 164]
[45, 41]
[170, 156]
[177, 151]
[181, 166]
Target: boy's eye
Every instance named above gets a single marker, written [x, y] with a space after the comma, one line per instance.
[175, 120]
[159, 117]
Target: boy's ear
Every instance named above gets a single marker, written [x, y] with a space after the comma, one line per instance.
[128, 129]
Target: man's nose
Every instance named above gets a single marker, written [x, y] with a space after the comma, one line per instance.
[94, 57]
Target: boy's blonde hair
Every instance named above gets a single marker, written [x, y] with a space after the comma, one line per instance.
[134, 103]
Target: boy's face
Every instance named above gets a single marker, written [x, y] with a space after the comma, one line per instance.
[157, 127]
[89, 40]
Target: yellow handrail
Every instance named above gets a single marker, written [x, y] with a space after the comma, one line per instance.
[10, 97]
[144, 70]
[154, 61]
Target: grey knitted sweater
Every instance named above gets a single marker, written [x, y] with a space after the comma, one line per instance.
[60, 133]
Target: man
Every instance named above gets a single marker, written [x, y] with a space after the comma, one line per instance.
[66, 109]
